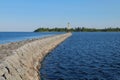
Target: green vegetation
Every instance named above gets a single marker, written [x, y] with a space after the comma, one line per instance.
[78, 29]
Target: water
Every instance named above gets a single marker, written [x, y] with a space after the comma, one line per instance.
[6, 37]
[84, 56]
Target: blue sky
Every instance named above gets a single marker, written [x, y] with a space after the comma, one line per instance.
[27, 15]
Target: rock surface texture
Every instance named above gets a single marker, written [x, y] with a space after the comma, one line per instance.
[21, 60]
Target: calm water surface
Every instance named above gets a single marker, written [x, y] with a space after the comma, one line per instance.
[84, 56]
[6, 37]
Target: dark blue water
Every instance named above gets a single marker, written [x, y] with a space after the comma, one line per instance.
[84, 56]
[6, 37]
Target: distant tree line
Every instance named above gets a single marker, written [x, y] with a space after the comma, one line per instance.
[78, 29]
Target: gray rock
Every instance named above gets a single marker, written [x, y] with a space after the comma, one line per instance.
[21, 60]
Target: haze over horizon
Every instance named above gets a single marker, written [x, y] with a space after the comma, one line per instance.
[28, 15]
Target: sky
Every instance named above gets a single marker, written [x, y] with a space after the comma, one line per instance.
[28, 15]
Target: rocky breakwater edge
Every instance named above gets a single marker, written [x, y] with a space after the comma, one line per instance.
[21, 60]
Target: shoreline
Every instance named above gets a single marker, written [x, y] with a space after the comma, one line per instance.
[21, 60]
[8, 47]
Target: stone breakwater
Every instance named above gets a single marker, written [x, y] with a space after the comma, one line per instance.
[21, 60]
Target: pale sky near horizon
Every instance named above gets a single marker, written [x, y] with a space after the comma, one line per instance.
[28, 15]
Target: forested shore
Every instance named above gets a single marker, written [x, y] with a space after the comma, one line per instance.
[78, 29]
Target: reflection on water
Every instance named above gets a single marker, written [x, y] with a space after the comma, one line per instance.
[84, 56]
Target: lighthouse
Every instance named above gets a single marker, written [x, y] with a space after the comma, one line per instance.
[68, 27]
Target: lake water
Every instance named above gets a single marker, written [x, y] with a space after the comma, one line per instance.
[6, 37]
[84, 56]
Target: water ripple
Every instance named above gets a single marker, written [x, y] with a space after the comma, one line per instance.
[84, 56]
